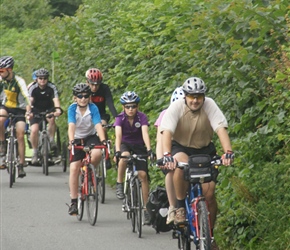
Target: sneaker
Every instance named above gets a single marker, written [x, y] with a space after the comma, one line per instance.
[34, 159]
[73, 209]
[124, 206]
[120, 191]
[2, 148]
[179, 216]
[214, 246]
[170, 215]
[147, 219]
[108, 164]
[21, 172]
[53, 148]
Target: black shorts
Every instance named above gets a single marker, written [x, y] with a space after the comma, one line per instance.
[176, 148]
[15, 111]
[79, 154]
[139, 150]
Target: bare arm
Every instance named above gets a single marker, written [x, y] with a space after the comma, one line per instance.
[118, 140]
[166, 141]
[145, 136]
[226, 143]
[159, 150]
[56, 105]
[100, 131]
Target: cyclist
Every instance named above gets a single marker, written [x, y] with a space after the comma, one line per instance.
[44, 97]
[187, 128]
[176, 95]
[17, 102]
[101, 95]
[84, 121]
[131, 129]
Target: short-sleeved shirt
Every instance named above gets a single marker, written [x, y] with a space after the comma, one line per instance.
[43, 98]
[15, 93]
[132, 134]
[193, 129]
[85, 125]
[102, 96]
[159, 119]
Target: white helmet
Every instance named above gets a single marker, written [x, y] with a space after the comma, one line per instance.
[177, 94]
[194, 85]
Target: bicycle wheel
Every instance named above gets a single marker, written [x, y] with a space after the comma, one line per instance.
[203, 224]
[130, 212]
[92, 197]
[64, 156]
[81, 197]
[138, 207]
[44, 153]
[11, 163]
[183, 239]
[102, 180]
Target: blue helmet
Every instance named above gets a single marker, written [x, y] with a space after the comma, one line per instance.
[129, 97]
[34, 77]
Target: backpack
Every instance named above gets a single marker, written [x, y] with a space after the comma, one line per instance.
[157, 207]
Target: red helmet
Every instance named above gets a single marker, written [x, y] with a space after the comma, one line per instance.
[94, 76]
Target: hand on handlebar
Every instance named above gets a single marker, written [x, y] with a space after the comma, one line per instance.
[228, 158]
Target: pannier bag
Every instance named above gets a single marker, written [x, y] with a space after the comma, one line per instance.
[199, 169]
[157, 207]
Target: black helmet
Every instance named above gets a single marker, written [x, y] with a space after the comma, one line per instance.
[42, 72]
[129, 97]
[6, 62]
[81, 88]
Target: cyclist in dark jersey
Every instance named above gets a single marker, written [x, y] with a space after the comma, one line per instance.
[101, 96]
[44, 97]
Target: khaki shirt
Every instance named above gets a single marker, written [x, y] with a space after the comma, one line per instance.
[193, 129]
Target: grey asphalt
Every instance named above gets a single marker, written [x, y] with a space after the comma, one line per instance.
[33, 215]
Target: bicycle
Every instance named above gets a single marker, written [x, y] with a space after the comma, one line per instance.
[44, 146]
[133, 202]
[88, 184]
[11, 159]
[197, 228]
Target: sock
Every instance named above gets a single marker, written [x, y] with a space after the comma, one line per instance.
[181, 203]
[74, 200]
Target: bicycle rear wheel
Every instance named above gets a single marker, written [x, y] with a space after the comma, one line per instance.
[138, 208]
[203, 224]
[92, 197]
[102, 180]
[44, 152]
[81, 198]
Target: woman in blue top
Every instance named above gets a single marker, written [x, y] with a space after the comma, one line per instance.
[83, 122]
[131, 129]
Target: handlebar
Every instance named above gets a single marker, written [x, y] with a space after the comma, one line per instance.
[47, 113]
[89, 148]
[108, 125]
[134, 157]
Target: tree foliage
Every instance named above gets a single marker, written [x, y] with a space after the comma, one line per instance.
[239, 48]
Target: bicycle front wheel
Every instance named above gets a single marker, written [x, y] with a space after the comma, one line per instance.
[102, 180]
[11, 163]
[138, 207]
[44, 152]
[92, 197]
[81, 197]
[203, 224]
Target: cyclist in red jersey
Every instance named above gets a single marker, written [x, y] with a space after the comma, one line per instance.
[101, 96]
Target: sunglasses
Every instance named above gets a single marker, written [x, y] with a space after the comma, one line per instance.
[130, 106]
[2, 71]
[83, 96]
[197, 97]
[42, 78]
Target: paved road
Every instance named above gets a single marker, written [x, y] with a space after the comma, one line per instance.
[33, 216]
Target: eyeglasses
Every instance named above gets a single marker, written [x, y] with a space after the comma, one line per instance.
[83, 96]
[42, 78]
[130, 106]
[92, 82]
[197, 97]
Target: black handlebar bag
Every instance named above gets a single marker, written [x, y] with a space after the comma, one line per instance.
[199, 169]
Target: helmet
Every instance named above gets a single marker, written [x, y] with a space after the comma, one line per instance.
[194, 85]
[6, 62]
[177, 94]
[42, 72]
[81, 88]
[34, 75]
[94, 76]
[128, 97]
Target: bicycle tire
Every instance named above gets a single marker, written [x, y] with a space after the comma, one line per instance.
[138, 206]
[58, 142]
[11, 163]
[131, 212]
[203, 224]
[102, 180]
[64, 156]
[184, 240]
[44, 152]
[92, 197]
[81, 199]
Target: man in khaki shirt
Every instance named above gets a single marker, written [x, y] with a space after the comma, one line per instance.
[187, 128]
